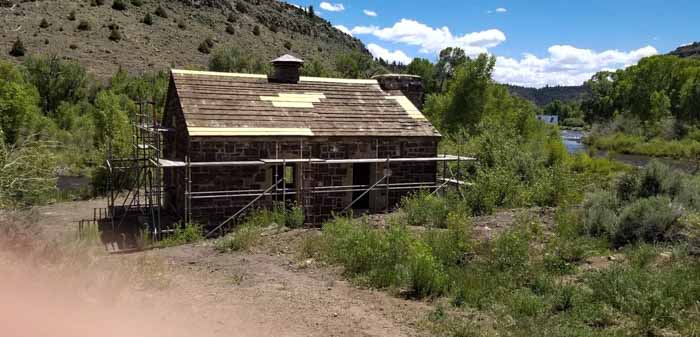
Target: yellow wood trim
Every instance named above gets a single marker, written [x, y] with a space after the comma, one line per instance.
[285, 104]
[408, 106]
[229, 132]
[214, 73]
[336, 80]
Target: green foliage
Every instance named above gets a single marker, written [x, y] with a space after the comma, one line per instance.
[426, 70]
[206, 46]
[137, 3]
[256, 30]
[355, 65]
[288, 45]
[57, 81]
[148, 19]
[600, 214]
[84, 25]
[646, 220]
[425, 209]
[115, 35]
[241, 7]
[231, 59]
[112, 122]
[44, 23]
[19, 113]
[161, 12]
[71, 16]
[119, 5]
[314, 68]
[230, 29]
[26, 173]
[183, 234]
[18, 49]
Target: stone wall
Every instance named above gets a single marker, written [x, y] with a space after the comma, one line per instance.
[318, 206]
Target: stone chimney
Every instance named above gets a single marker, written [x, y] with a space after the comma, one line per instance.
[410, 86]
[286, 69]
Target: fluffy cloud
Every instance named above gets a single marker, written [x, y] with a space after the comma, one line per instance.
[564, 65]
[501, 10]
[370, 13]
[432, 40]
[343, 29]
[397, 56]
[327, 6]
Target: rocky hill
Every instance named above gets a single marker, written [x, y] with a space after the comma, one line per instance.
[147, 35]
[690, 50]
[546, 95]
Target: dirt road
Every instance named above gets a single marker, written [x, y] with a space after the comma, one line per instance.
[192, 290]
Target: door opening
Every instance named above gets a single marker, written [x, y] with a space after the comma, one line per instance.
[361, 176]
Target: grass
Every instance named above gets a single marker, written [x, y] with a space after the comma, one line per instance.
[655, 147]
[250, 232]
[528, 280]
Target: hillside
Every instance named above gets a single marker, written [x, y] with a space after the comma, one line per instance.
[546, 95]
[690, 50]
[81, 30]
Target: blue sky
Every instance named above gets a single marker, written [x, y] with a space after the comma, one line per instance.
[536, 42]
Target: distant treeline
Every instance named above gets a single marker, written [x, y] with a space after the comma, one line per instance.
[546, 95]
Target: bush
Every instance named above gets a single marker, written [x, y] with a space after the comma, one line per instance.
[600, 215]
[231, 18]
[510, 252]
[44, 23]
[115, 35]
[288, 45]
[148, 19]
[244, 238]
[230, 29]
[137, 3]
[628, 187]
[205, 46]
[84, 25]
[161, 12]
[256, 30]
[295, 217]
[119, 5]
[184, 234]
[646, 220]
[425, 209]
[18, 49]
[95, 3]
[181, 24]
[71, 16]
[241, 7]
[574, 122]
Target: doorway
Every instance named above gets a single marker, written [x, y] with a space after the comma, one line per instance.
[361, 176]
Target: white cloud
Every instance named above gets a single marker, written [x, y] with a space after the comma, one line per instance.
[327, 6]
[343, 29]
[501, 10]
[370, 13]
[432, 40]
[564, 65]
[397, 56]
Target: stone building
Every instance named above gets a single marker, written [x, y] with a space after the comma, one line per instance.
[242, 140]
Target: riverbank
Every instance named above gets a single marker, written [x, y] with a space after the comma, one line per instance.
[637, 145]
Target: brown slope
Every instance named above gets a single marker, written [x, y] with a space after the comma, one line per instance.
[164, 44]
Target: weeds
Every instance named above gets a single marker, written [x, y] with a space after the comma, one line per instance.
[183, 234]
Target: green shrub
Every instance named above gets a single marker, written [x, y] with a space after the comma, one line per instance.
[119, 5]
[656, 179]
[425, 209]
[84, 25]
[256, 30]
[148, 19]
[628, 187]
[95, 3]
[646, 220]
[115, 35]
[71, 16]
[427, 275]
[137, 3]
[574, 122]
[18, 49]
[44, 23]
[600, 214]
[510, 252]
[230, 29]
[205, 46]
[295, 217]
[450, 246]
[181, 24]
[231, 18]
[184, 234]
[161, 12]
[241, 7]
[244, 238]
[288, 45]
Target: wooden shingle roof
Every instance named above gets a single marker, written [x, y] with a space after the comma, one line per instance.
[226, 104]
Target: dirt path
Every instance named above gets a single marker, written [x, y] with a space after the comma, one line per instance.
[205, 293]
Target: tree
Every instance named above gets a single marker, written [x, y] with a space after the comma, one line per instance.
[464, 103]
[232, 59]
[355, 65]
[315, 69]
[57, 81]
[115, 35]
[18, 104]
[112, 122]
[161, 12]
[148, 19]
[18, 49]
[26, 173]
[450, 59]
[119, 5]
[311, 12]
[426, 70]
